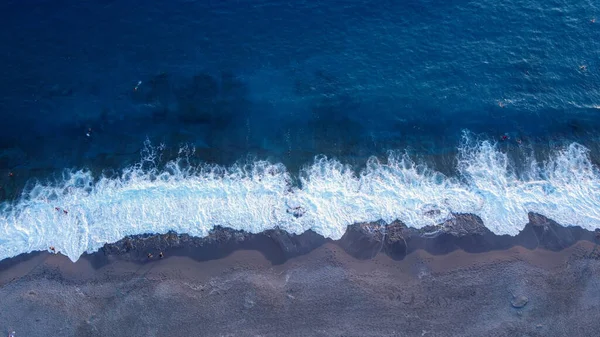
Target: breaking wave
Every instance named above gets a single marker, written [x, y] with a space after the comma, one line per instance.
[80, 213]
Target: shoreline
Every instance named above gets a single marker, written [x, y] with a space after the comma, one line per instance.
[464, 232]
[460, 280]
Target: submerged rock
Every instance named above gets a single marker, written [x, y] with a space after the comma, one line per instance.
[464, 224]
[519, 302]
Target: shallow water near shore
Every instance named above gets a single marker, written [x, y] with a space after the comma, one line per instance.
[80, 212]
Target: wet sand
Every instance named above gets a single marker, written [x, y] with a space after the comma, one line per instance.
[274, 284]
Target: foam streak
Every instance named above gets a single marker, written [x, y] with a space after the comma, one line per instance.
[80, 214]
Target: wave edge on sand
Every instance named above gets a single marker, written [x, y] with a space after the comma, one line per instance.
[81, 213]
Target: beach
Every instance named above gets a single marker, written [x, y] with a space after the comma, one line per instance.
[544, 283]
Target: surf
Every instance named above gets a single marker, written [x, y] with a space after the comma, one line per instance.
[80, 212]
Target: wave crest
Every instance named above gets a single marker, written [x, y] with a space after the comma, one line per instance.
[80, 212]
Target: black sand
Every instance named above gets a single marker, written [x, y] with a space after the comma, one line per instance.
[459, 280]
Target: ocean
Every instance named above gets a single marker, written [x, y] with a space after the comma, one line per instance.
[128, 117]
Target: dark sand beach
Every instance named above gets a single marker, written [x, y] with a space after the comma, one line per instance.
[376, 281]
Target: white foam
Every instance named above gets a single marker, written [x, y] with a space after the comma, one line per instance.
[330, 197]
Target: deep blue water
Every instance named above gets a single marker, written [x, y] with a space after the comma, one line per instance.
[288, 80]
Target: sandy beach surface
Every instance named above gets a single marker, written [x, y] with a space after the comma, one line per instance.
[321, 288]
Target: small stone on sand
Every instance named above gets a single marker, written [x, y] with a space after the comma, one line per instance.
[519, 302]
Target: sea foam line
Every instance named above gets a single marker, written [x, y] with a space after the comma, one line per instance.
[80, 213]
